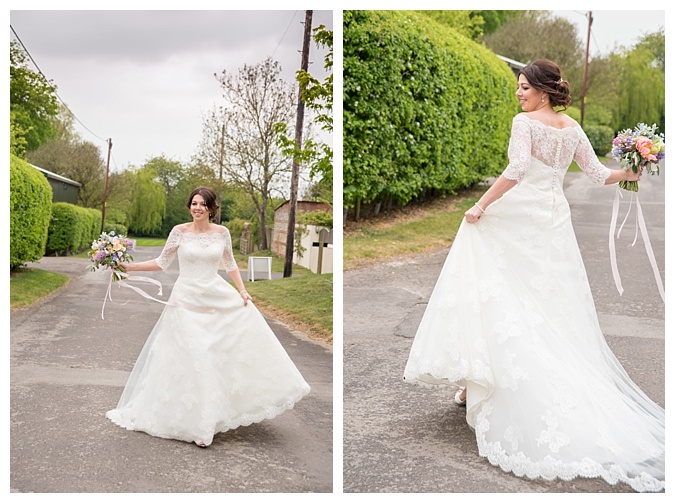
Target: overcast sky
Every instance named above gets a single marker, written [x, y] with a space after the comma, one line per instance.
[145, 79]
[612, 29]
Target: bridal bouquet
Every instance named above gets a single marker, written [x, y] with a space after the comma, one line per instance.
[109, 251]
[639, 147]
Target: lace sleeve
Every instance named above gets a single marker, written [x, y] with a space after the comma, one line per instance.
[170, 249]
[588, 161]
[227, 262]
[520, 149]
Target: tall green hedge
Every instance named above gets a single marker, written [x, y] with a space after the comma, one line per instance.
[72, 228]
[425, 109]
[30, 207]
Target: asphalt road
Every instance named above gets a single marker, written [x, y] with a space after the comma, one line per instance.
[68, 367]
[400, 438]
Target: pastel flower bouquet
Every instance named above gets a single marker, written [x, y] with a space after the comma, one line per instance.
[109, 251]
[636, 148]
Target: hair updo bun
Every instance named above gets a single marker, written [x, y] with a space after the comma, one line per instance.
[544, 75]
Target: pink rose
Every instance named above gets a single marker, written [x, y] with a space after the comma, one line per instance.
[644, 146]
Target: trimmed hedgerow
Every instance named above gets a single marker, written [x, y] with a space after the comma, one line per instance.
[30, 208]
[72, 228]
[425, 109]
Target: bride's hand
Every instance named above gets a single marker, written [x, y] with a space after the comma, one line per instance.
[472, 214]
[245, 295]
[633, 177]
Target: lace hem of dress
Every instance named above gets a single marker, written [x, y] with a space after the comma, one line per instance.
[551, 468]
[117, 417]
[519, 464]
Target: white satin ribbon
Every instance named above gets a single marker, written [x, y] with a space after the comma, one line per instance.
[144, 279]
[642, 227]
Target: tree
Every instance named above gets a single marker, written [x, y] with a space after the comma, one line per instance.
[169, 175]
[318, 98]
[32, 101]
[642, 84]
[538, 34]
[493, 19]
[120, 195]
[149, 202]
[78, 160]
[17, 137]
[239, 137]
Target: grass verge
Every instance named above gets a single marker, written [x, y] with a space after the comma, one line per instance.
[30, 285]
[418, 229]
[303, 302]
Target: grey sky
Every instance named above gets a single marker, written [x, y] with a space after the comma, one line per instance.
[612, 29]
[146, 78]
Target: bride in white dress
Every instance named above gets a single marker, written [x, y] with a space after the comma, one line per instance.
[512, 321]
[211, 363]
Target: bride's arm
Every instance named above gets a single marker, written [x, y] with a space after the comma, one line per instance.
[520, 152]
[619, 175]
[236, 277]
[497, 190]
[148, 265]
[165, 258]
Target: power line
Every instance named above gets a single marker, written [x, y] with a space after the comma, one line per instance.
[47, 80]
[282, 37]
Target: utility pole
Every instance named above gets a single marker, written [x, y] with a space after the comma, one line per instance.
[583, 91]
[221, 161]
[290, 235]
[105, 184]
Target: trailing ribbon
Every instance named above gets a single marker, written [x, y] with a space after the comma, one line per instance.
[642, 227]
[145, 279]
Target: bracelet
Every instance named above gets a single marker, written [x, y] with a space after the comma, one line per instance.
[481, 209]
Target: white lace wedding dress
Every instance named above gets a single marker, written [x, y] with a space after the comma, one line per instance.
[512, 318]
[210, 364]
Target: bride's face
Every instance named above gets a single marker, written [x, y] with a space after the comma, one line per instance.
[198, 209]
[530, 99]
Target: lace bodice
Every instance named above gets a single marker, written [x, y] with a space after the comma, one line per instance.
[555, 148]
[199, 254]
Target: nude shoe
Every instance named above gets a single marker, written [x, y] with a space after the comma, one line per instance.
[458, 400]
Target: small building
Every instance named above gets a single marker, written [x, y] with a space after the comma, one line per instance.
[64, 190]
[317, 242]
[515, 66]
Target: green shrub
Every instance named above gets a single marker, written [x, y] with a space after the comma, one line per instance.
[425, 109]
[319, 217]
[72, 228]
[93, 217]
[30, 208]
[116, 228]
[116, 216]
[601, 138]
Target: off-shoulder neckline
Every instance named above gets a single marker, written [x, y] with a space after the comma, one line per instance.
[575, 125]
[177, 228]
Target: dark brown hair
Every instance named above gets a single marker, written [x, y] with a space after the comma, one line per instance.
[209, 198]
[544, 75]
